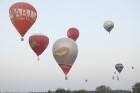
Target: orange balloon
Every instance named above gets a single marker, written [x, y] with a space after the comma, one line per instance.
[23, 16]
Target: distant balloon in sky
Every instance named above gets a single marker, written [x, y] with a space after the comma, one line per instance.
[109, 25]
[113, 77]
[23, 16]
[73, 33]
[86, 80]
[118, 78]
[119, 67]
[38, 42]
[65, 51]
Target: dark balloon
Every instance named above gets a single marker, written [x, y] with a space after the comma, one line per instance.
[119, 67]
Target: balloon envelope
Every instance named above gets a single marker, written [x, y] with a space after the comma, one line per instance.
[109, 25]
[65, 52]
[23, 16]
[119, 67]
[38, 43]
[73, 33]
[86, 80]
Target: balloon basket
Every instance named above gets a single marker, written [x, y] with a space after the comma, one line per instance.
[66, 77]
[38, 58]
[22, 39]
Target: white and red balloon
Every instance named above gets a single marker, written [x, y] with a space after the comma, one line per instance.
[65, 52]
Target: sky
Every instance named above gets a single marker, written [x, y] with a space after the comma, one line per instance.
[98, 51]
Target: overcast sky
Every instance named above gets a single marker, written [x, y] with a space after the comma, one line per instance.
[98, 51]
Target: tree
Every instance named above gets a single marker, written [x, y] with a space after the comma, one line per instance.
[49, 91]
[59, 90]
[103, 89]
[136, 88]
[82, 91]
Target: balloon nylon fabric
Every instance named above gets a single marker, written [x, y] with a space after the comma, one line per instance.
[119, 67]
[38, 43]
[65, 52]
[23, 16]
[73, 33]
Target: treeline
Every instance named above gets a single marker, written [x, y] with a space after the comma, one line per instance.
[59, 90]
[99, 89]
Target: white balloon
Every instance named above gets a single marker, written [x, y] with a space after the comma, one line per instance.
[65, 51]
[108, 25]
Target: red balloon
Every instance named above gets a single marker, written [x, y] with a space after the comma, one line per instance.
[23, 16]
[73, 33]
[38, 43]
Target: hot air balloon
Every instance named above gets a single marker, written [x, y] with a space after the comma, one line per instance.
[23, 16]
[73, 33]
[38, 42]
[132, 67]
[119, 67]
[86, 80]
[109, 25]
[118, 78]
[113, 77]
[65, 52]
